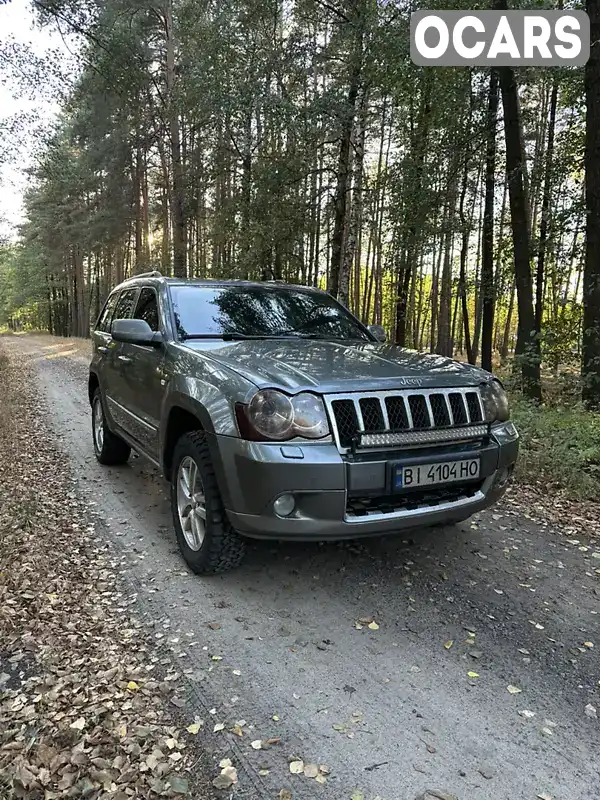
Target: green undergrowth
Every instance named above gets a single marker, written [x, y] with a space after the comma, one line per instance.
[560, 447]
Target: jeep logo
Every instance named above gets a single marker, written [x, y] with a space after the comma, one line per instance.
[410, 381]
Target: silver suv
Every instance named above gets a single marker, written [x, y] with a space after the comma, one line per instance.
[274, 413]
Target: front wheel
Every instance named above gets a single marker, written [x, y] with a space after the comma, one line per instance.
[110, 449]
[206, 539]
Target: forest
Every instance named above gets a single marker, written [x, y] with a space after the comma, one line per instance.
[295, 140]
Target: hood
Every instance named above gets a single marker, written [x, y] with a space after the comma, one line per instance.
[297, 364]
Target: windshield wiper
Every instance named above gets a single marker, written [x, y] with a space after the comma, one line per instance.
[234, 336]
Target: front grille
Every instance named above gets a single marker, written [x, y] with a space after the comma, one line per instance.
[374, 419]
[361, 507]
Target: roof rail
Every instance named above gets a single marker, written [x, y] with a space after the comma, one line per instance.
[154, 274]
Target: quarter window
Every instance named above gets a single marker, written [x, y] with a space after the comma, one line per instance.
[105, 317]
[147, 308]
[125, 305]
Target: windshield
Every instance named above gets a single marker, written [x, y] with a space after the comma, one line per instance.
[261, 311]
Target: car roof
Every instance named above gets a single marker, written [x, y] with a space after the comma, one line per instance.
[157, 278]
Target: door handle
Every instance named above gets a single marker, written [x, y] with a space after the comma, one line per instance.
[102, 349]
[125, 359]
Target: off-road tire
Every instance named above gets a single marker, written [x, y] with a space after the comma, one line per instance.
[114, 450]
[223, 548]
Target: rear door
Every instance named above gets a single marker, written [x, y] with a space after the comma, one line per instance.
[101, 338]
[143, 378]
[116, 363]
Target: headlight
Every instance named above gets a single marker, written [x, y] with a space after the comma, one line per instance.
[273, 415]
[495, 402]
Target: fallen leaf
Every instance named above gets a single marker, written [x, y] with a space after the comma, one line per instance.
[311, 770]
[178, 784]
[256, 744]
[132, 686]
[193, 728]
[473, 674]
[219, 727]
[222, 782]
[527, 714]
[285, 794]
[373, 626]
[514, 689]
[297, 767]
[78, 725]
[448, 644]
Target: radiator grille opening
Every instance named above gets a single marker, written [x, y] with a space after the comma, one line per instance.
[346, 420]
[419, 412]
[441, 416]
[459, 411]
[372, 414]
[396, 413]
[474, 407]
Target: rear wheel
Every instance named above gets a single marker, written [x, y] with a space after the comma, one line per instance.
[109, 448]
[206, 539]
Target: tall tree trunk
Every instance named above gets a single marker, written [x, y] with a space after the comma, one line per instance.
[444, 344]
[528, 343]
[539, 285]
[488, 294]
[355, 216]
[177, 176]
[338, 279]
[591, 278]
[413, 204]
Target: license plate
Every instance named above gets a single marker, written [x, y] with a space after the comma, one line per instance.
[432, 474]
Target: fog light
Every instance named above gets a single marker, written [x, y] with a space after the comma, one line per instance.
[505, 433]
[284, 505]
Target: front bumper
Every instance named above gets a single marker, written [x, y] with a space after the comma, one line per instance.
[328, 487]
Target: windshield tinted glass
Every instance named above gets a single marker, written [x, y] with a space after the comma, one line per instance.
[261, 311]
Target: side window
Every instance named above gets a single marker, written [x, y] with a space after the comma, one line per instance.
[147, 308]
[125, 305]
[105, 317]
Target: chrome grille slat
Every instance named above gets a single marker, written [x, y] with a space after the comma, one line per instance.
[462, 404]
[359, 416]
[429, 411]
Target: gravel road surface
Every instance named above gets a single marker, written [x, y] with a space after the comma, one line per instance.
[475, 683]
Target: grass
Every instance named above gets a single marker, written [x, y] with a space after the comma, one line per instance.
[560, 447]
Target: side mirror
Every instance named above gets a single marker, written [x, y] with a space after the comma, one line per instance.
[378, 331]
[135, 331]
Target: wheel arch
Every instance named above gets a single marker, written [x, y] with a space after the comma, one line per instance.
[93, 384]
[182, 415]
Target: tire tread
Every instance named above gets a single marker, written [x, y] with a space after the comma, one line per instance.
[224, 548]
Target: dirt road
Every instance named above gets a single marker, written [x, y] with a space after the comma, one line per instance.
[475, 684]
